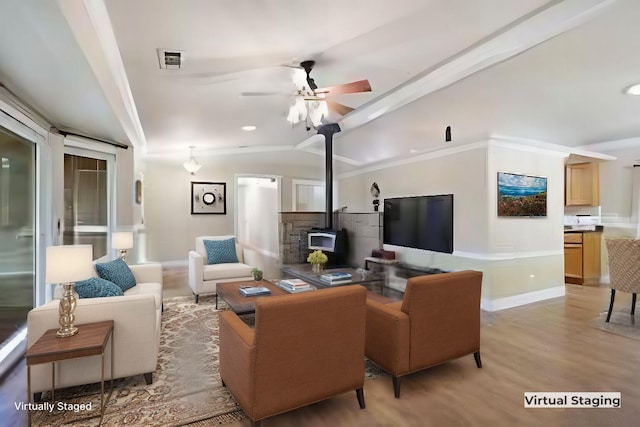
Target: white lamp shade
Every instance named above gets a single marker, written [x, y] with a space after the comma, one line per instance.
[122, 240]
[69, 263]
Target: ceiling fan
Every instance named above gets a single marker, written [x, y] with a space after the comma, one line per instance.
[311, 103]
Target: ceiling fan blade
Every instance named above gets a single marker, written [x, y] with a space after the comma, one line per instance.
[353, 87]
[336, 107]
[264, 94]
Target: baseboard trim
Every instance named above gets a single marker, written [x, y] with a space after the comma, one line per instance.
[521, 299]
[175, 263]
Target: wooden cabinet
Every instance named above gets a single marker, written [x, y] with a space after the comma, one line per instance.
[582, 257]
[582, 184]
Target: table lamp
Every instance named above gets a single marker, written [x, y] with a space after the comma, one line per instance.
[68, 264]
[122, 240]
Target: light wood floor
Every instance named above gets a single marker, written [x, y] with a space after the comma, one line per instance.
[547, 346]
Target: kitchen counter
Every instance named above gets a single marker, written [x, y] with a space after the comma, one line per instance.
[580, 228]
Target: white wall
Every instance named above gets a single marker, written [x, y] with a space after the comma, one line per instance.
[616, 197]
[522, 258]
[537, 243]
[616, 188]
[462, 174]
[171, 229]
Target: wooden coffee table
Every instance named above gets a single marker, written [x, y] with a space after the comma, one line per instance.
[240, 304]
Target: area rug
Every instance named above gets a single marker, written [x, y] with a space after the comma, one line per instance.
[621, 323]
[186, 385]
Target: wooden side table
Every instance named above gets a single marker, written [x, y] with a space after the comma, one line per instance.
[91, 340]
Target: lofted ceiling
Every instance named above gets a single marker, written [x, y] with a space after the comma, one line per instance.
[549, 71]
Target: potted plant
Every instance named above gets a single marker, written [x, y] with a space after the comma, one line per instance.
[257, 273]
[317, 259]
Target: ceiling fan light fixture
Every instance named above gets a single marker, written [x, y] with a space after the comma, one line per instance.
[317, 111]
[192, 166]
[297, 112]
[634, 90]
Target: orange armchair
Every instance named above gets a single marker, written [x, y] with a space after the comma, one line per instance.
[304, 348]
[438, 320]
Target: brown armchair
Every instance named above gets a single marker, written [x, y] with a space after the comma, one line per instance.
[304, 348]
[438, 320]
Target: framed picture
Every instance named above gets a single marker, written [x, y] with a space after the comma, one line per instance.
[522, 195]
[208, 198]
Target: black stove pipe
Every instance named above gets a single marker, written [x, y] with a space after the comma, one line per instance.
[327, 131]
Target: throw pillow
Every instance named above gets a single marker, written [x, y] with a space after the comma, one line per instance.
[221, 251]
[118, 272]
[96, 287]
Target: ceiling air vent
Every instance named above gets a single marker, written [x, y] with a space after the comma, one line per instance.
[170, 58]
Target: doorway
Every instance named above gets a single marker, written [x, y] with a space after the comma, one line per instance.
[257, 207]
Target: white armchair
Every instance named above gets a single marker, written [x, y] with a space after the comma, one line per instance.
[204, 277]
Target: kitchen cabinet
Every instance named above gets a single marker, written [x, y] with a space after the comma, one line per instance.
[582, 257]
[582, 184]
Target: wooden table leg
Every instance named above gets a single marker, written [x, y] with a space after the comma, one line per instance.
[29, 393]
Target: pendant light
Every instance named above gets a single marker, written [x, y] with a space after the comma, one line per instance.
[192, 166]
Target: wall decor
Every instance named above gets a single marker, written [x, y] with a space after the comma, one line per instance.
[138, 191]
[208, 198]
[522, 195]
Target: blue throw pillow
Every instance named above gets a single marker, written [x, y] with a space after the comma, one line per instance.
[118, 272]
[96, 287]
[221, 251]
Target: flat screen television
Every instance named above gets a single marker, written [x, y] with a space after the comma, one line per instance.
[422, 222]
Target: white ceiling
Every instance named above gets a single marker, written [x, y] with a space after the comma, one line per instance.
[531, 69]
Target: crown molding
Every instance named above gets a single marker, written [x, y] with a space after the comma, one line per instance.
[91, 26]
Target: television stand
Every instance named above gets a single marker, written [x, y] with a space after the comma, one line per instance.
[398, 272]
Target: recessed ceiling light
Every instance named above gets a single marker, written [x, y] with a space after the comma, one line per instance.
[413, 150]
[248, 128]
[634, 90]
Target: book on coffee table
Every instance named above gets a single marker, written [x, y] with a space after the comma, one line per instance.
[336, 278]
[335, 282]
[252, 291]
[294, 285]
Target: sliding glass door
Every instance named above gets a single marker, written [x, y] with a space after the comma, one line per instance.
[17, 236]
[86, 214]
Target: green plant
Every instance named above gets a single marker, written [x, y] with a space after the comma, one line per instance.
[256, 273]
[317, 257]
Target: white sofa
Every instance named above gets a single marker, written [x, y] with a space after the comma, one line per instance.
[204, 277]
[136, 333]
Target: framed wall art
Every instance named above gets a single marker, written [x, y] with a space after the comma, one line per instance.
[208, 198]
[522, 195]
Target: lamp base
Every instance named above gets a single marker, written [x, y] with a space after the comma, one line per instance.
[65, 310]
[69, 332]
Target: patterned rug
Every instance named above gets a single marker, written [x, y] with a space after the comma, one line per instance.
[186, 385]
[621, 323]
